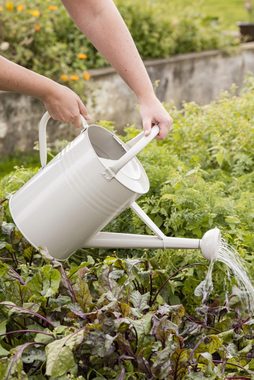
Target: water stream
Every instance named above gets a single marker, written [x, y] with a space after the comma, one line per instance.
[229, 256]
[205, 287]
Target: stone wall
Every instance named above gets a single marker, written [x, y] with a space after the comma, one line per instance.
[198, 77]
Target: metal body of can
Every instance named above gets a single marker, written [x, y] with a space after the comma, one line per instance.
[76, 194]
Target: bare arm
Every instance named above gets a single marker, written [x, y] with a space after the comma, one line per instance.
[101, 22]
[61, 102]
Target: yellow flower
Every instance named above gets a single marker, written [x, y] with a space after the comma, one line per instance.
[1, 8]
[20, 7]
[4, 45]
[64, 77]
[82, 56]
[37, 27]
[9, 6]
[34, 12]
[86, 75]
[52, 7]
[74, 77]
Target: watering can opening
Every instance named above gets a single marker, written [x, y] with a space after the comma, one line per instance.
[104, 143]
[109, 150]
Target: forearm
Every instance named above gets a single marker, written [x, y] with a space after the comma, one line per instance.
[101, 22]
[19, 79]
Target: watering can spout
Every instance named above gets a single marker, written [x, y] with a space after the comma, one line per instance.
[209, 244]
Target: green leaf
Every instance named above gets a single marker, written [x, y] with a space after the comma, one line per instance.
[3, 327]
[3, 367]
[60, 358]
[3, 351]
[34, 355]
[161, 367]
[51, 280]
[4, 269]
[45, 282]
[109, 260]
[43, 338]
[82, 294]
[179, 362]
[210, 344]
[140, 301]
[220, 157]
[142, 325]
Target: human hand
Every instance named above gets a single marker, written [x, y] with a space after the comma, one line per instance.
[152, 112]
[65, 105]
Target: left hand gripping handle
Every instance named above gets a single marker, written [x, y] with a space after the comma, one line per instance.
[43, 136]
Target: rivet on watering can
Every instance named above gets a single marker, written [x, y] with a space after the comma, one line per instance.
[109, 174]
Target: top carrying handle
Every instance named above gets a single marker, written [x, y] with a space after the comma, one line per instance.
[43, 136]
[137, 144]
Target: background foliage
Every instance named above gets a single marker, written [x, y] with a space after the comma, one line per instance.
[133, 315]
[41, 36]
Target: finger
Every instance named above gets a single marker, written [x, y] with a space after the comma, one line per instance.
[76, 121]
[147, 125]
[165, 127]
[52, 112]
[83, 110]
[163, 132]
[170, 127]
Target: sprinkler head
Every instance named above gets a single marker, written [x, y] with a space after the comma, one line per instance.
[210, 244]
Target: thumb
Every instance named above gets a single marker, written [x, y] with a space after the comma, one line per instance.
[147, 125]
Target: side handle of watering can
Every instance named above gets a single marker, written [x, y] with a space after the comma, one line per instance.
[43, 136]
[137, 144]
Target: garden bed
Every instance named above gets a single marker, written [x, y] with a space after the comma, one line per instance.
[133, 315]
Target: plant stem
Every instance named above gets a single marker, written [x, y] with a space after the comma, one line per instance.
[27, 331]
[234, 365]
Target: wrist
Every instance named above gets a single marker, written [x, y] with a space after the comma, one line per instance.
[48, 89]
[147, 97]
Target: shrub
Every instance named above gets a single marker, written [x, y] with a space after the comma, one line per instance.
[203, 176]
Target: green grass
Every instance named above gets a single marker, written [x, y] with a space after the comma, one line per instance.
[228, 11]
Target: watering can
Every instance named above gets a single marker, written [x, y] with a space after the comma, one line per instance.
[70, 200]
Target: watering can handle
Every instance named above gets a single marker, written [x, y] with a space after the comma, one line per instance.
[142, 142]
[43, 137]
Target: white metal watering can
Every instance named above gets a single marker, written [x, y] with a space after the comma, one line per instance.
[97, 176]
